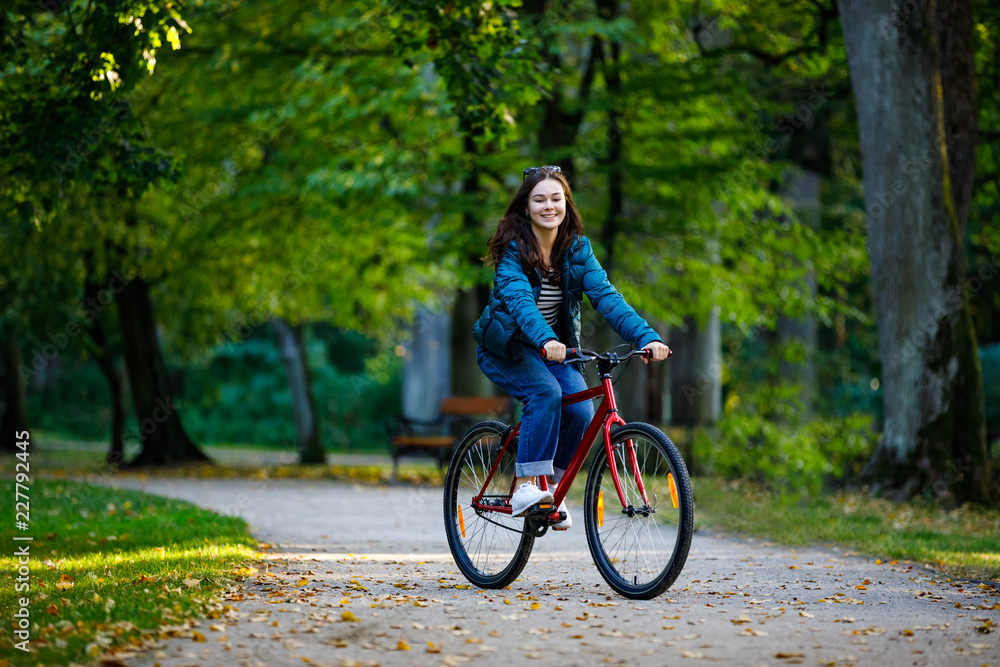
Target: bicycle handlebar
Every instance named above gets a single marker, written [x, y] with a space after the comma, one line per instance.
[581, 355]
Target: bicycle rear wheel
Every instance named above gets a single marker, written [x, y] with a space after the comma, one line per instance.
[641, 548]
[490, 548]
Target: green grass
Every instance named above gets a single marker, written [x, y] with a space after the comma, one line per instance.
[109, 565]
[962, 542]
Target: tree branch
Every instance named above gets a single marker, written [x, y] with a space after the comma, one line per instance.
[820, 33]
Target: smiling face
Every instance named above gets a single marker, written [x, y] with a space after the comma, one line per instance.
[546, 206]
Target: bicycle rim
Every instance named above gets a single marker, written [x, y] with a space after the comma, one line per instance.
[490, 548]
[640, 553]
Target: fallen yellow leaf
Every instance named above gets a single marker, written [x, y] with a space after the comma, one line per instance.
[402, 645]
[349, 617]
[198, 637]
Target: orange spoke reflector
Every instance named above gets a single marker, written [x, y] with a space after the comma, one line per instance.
[461, 520]
[600, 508]
[673, 488]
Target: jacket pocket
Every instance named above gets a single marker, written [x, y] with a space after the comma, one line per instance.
[499, 333]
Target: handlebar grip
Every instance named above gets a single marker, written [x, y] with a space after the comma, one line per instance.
[570, 351]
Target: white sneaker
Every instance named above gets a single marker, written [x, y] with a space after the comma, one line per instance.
[525, 496]
[566, 523]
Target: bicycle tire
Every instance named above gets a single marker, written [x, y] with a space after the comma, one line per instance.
[488, 554]
[654, 546]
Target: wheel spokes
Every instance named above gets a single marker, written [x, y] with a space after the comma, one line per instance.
[638, 547]
[490, 547]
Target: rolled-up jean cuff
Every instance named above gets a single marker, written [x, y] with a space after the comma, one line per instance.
[534, 468]
[557, 474]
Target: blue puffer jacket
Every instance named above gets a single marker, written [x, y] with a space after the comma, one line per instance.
[512, 313]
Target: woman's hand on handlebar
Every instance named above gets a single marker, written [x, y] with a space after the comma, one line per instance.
[657, 350]
[554, 351]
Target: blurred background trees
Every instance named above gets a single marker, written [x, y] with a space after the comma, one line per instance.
[294, 203]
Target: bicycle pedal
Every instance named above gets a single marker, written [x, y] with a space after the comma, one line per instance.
[545, 508]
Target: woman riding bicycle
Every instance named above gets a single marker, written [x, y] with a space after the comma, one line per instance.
[544, 265]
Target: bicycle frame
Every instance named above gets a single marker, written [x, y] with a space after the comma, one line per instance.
[605, 416]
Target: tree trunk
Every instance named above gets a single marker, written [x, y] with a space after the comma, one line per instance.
[164, 441]
[560, 126]
[696, 373]
[469, 303]
[106, 362]
[466, 380]
[802, 190]
[658, 384]
[934, 437]
[426, 366]
[13, 400]
[632, 387]
[293, 354]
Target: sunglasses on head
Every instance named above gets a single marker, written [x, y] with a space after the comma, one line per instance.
[531, 171]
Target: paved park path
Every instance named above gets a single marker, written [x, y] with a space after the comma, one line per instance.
[380, 553]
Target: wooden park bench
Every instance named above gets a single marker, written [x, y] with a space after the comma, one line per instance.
[437, 437]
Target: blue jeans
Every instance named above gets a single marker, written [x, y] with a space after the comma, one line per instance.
[549, 433]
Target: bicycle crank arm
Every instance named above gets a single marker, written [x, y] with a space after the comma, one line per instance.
[541, 516]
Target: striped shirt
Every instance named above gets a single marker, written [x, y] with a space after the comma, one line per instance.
[550, 300]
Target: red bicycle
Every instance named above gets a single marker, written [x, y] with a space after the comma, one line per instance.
[638, 503]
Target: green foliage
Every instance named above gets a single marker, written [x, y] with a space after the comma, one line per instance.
[486, 65]
[982, 286]
[787, 459]
[73, 402]
[238, 393]
[310, 161]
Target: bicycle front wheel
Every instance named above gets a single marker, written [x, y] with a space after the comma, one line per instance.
[490, 548]
[642, 547]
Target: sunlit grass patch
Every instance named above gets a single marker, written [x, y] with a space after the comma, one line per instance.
[961, 542]
[109, 565]
[424, 474]
[87, 461]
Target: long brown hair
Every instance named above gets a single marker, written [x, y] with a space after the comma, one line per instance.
[516, 226]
